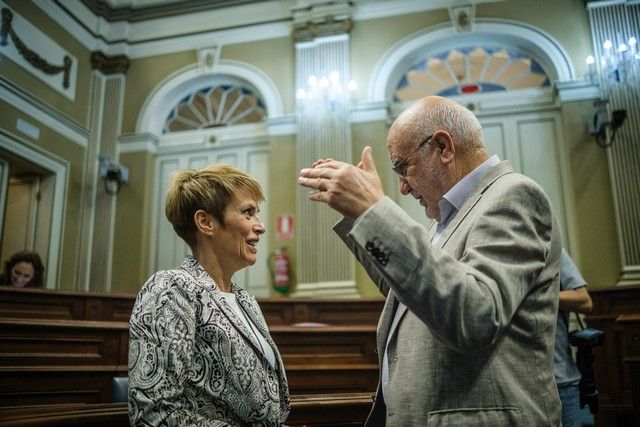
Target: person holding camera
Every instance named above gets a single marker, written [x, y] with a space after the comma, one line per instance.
[574, 297]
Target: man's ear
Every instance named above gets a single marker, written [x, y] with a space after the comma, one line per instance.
[445, 145]
[205, 223]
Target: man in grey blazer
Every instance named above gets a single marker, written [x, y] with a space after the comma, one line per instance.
[466, 336]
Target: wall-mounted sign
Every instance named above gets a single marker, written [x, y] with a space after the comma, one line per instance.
[284, 226]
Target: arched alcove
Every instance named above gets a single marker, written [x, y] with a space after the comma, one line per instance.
[541, 47]
[191, 79]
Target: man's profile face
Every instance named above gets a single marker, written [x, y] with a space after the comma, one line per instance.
[424, 175]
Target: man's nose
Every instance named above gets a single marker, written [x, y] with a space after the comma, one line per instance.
[405, 188]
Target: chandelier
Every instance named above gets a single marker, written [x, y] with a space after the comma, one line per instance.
[329, 91]
[616, 66]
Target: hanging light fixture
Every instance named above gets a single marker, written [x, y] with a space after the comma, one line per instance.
[616, 66]
[326, 90]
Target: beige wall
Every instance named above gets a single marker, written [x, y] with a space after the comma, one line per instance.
[593, 220]
[273, 57]
[597, 253]
[143, 76]
[133, 224]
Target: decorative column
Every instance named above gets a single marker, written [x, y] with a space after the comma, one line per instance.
[324, 266]
[98, 213]
[619, 79]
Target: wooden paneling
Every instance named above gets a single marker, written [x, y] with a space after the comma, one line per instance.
[326, 345]
[60, 347]
[336, 410]
[36, 342]
[333, 311]
[48, 304]
[328, 379]
[614, 308]
[33, 385]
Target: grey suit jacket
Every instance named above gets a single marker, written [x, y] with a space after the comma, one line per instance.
[193, 362]
[475, 346]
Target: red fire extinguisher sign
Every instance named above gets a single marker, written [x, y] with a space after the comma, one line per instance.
[284, 226]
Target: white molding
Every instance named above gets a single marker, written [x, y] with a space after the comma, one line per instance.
[197, 41]
[177, 85]
[59, 167]
[283, 125]
[346, 288]
[577, 90]
[43, 113]
[138, 142]
[378, 9]
[370, 112]
[541, 45]
[169, 35]
[630, 276]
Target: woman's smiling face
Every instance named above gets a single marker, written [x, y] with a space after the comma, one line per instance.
[241, 231]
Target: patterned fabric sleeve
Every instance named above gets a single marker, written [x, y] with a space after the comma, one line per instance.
[162, 329]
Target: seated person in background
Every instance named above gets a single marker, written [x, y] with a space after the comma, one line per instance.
[573, 297]
[200, 352]
[23, 270]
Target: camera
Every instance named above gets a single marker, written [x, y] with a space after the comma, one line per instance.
[584, 340]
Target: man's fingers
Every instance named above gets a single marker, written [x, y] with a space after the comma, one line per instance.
[314, 183]
[324, 171]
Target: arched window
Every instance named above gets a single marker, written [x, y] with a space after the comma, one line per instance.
[497, 56]
[222, 104]
[470, 70]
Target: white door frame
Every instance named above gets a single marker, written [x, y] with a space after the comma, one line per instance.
[59, 169]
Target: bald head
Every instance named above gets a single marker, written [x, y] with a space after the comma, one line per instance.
[434, 113]
[454, 149]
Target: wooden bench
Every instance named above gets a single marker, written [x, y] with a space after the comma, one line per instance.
[39, 358]
[347, 409]
[54, 304]
[615, 311]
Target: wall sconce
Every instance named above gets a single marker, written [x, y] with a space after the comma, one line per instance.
[603, 126]
[113, 174]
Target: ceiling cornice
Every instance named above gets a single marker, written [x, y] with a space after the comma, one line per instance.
[129, 14]
[216, 24]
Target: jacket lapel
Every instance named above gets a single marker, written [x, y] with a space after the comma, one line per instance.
[193, 267]
[485, 182]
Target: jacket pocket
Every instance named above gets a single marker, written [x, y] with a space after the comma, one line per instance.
[500, 416]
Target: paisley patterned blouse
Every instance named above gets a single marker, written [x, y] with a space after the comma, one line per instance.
[193, 362]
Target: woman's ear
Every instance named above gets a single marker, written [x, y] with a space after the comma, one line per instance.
[205, 223]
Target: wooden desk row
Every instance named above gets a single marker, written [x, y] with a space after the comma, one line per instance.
[333, 410]
[73, 361]
[616, 311]
[47, 304]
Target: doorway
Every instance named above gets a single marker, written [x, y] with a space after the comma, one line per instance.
[32, 195]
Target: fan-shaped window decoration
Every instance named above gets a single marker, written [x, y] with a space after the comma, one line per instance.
[216, 106]
[462, 71]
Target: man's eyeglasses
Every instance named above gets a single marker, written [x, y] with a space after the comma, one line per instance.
[401, 167]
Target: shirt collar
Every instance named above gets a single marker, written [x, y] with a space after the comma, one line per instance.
[455, 197]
